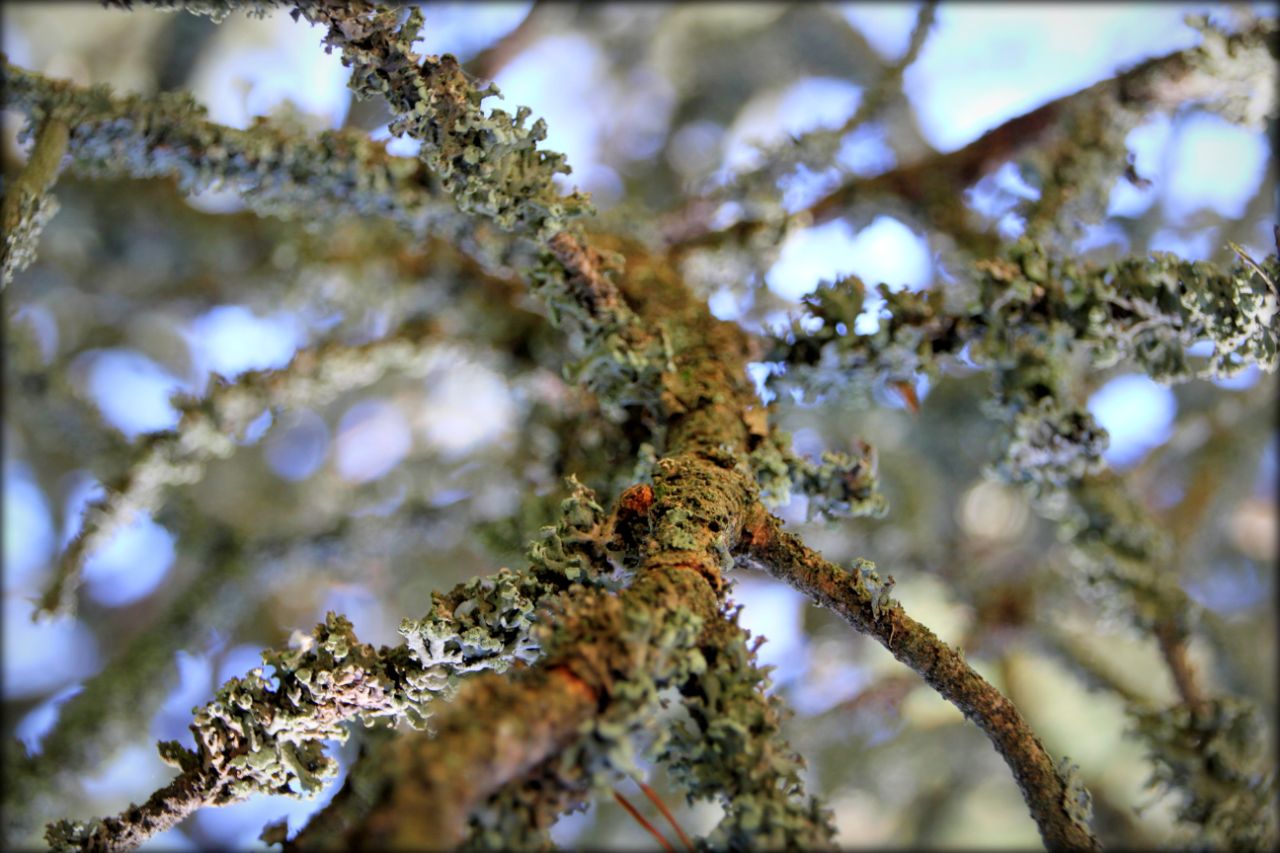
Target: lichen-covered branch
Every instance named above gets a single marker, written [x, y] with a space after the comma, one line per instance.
[103, 715]
[555, 674]
[603, 673]
[691, 518]
[489, 163]
[1024, 317]
[27, 203]
[1021, 315]
[610, 655]
[260, 737]
[839, 486]
[1058, 803]
[277, 171]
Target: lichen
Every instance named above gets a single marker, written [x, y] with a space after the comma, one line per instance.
[488, 162]
[278, 171]
[1022, 317]
[1076, 798]
[730, 749]
[1212, 760]
[840, 486]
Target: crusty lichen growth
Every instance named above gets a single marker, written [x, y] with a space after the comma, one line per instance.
[488, 162]
[1213, 759]
[575, 547]
[608, 656]
[1076, 798]
[520, 816]
[257, 736]
[840, 486]
[277, 171]
[1022, 317]
[618, 360]
[95, 722]
[260, 737]
[1076, 165]
[731, 750]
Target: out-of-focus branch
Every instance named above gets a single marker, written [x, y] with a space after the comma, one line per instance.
[814, 150]
[542, 17]
[280, 172]
[1232, 74]
[210, 426]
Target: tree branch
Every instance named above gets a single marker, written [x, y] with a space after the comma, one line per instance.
[27, 204]
[1054, 802]
[1233, 75]
[210, 426]
[278, 171]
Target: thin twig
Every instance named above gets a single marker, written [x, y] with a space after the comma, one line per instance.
[666, 813]
[640, 819]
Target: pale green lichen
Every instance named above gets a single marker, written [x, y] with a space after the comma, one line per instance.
[27, 206]
[574, 548]
[869, 585]
[489, 162]
[1076, 798]
[731, 750]
[631, 653]
[1213, 760]
[615, 361]
[1022, 317]
[840, 486]
[263, 735]
[278, 171]
[21, 236]
[218, 10]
